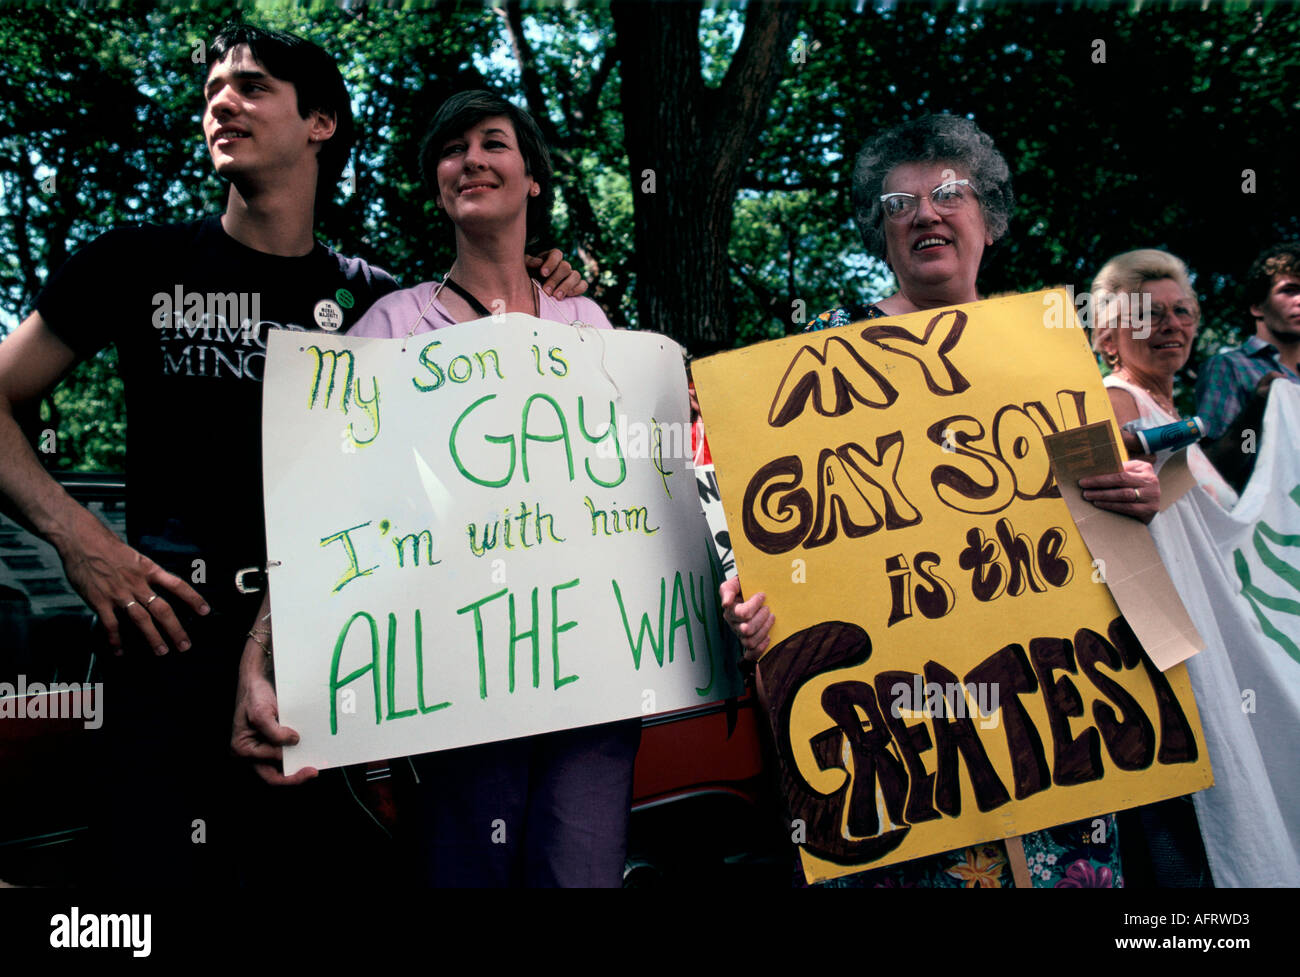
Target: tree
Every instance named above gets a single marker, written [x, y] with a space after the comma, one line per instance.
[1125, 126]
[687, 143]
[568, 84]
[1152, 125]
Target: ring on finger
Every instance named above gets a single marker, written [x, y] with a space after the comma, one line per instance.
[1137, 494]
[151, 600]
[128, 605]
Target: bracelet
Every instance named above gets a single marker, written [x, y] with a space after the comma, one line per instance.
[260, 643]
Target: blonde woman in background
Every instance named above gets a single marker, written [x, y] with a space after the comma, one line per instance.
[1237, 829]
[1144, 356]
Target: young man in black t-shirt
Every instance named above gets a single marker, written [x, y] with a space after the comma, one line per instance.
[188, 307]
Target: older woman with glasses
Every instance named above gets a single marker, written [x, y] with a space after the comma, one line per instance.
[932, 197]
[1145, 354]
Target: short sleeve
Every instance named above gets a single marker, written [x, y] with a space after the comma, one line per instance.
[79, 300]
[826, 320]
[843, 316]
[592, 314]
[394, 314]
[375, 323]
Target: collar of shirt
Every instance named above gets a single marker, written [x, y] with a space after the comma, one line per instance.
[1256, 347]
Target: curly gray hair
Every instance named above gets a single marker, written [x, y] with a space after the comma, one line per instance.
[931, 138]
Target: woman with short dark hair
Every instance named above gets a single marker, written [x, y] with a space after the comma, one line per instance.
[562, 799]
[487, 166]
[461, 113]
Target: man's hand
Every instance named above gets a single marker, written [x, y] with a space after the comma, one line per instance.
[109, 575]
[557, 276]
[1135, 491]
[751, 620]
[1266, 381]
[1233, 452]
[256, 734]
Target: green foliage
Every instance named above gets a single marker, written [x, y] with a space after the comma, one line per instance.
[1146, 149]
[86, 411]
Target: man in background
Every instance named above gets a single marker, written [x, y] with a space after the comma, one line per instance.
[1232, 379]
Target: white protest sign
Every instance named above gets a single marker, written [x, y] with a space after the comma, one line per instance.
[484, 532]
[1238, 573]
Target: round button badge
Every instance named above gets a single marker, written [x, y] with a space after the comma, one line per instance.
[328, 315]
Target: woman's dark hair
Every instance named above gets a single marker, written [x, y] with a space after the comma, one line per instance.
[317, 81]
[465, 110]
[931, 138]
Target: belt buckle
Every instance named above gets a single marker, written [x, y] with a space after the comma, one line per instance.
[240, 575]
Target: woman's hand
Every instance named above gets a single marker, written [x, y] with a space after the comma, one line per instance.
[751, 620]
[1135, 491]
[256, 734]
[557, 276]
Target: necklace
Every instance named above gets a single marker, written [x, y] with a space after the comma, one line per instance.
[475, 304]
[448, 283]
[1164, 402]
[464, 293]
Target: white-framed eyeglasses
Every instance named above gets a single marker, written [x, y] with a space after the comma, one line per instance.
[947, 198]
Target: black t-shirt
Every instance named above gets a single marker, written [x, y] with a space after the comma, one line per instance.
[188, 308]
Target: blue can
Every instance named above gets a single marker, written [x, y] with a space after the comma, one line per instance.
[1171, 437]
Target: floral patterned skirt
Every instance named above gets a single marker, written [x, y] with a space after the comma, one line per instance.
[1080, 855]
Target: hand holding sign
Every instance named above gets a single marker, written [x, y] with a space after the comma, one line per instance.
[751, 619]
[944, 670]
[484, 535]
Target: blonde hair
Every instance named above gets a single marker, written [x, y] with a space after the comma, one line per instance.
[1122, 277]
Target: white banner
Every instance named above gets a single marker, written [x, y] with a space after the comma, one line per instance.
[484, 532]
[1238, 574]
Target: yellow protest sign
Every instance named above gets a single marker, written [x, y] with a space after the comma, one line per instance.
[948, 666]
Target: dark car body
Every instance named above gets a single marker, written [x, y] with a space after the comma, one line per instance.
[701, 808]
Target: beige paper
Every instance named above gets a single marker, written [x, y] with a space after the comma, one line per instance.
[1017, 862]
[1127, 560]
[1176, 479]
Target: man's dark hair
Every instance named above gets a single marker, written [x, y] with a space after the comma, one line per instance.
[316, 79]
[1280, 259]
[465, 110]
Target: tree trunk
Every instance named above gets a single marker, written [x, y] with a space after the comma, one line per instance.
[585, 232]
[686, 145]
